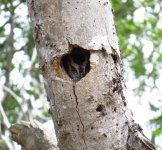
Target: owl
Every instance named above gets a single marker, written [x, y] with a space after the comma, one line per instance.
[77, 65]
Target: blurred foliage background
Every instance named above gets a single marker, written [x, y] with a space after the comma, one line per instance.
[22, 95]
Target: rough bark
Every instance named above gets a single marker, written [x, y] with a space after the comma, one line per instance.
[80, 61]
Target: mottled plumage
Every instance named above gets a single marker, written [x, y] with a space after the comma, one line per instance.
[77, 69]
[76, 64]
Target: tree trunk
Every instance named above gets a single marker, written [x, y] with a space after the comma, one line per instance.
[80, 61]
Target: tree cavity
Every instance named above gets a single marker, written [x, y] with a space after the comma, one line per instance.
[76, 63]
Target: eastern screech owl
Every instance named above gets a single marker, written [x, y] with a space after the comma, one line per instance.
[77, 69]
[76, 64]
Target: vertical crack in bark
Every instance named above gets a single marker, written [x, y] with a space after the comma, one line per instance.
[76, 98]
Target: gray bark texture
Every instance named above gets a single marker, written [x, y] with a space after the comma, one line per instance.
[80, 61]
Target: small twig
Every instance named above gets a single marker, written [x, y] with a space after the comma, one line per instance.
[7, 89]
[17, 98]
[4, 116]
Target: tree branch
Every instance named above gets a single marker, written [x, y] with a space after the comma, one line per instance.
[33, 136]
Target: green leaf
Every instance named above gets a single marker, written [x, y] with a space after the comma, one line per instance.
[157, 120]
[3, 145]
[153, 107]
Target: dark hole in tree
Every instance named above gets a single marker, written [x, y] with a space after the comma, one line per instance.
[100, 108]
[125, 104]
[115, 109]
[76, 63]
[115, 58]
[115, 89]
[105, 135]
